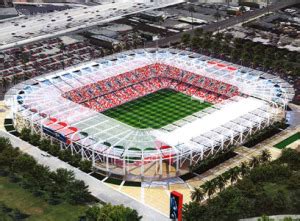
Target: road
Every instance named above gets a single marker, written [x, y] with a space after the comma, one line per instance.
[225, 23]
[27, 29]
[97, 188]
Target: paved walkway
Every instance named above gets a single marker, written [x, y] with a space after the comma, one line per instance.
[152, 200]
[97, 188]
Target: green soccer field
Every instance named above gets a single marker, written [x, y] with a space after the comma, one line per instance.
[157, 109]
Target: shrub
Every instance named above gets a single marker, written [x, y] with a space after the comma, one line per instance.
[34, 139]
[54, 150]
[25, 134]
[85, 165]
[45, 145]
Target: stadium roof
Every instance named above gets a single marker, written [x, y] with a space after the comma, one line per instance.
[205, 130]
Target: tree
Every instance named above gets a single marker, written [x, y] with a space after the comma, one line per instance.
[209, 187]
[92, 213]
[5, 83]
[25, 134]
[63, 177]
[186, 38]
[235, 55]
[228, 38]
[234, 174]
[242, 9]
[195, 42]
[45, 144]
[197, 195]
[291, 157]
[220, 182]
[25, 58]
[35, 139]
[254, 162]
[75, 160]
[78, 193]
[113, 213]
[4, 143]
[54, 150]
[198, 32]
[244, 169]
[65, 155]
[194, 211]
[85, 165]
[280, 202]
[270, 188]
[265, 156]
[8, 157]
[62, 48]
[24, 163]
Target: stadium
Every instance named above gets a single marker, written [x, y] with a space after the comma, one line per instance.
[149, 114]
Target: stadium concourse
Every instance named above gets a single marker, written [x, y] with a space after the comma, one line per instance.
[83, 108]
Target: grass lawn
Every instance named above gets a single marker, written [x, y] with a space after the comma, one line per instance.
[16, 197]
[157, 109]
[288, 141]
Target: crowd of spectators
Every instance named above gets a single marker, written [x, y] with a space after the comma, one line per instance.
[125, 87]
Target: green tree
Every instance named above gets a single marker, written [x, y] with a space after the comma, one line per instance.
[8, 157]
[209, 187]
[221, 182]
[244, 169]
[112, 213]
[197, 195]
[234, 174]
[193, 211]
[25, 134]
[254, 162]
[242, 9]
[265, 156]
[24, 163]
[198, 32]
[45, 144]
[85, 165]
[195, 42]
[4, 143]
[186, 38]
[93, 213]
[78, 193]
[63, 50]
[35, 139]
[54, 150]
[5, 83]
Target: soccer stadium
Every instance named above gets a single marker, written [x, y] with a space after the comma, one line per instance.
[149, 114]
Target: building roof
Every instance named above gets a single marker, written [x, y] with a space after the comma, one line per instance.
[105, 38]
[8, 12]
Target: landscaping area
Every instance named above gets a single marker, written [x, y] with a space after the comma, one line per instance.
[255, 188]
[283, 144]
[265, 133]
[14, 197]
[31, 191]
[157, 109]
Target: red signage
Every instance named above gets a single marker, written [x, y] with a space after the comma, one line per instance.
[176, 200]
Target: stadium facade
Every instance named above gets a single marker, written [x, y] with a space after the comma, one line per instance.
[67, 107]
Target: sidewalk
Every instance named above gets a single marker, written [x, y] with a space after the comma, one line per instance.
[97, 188]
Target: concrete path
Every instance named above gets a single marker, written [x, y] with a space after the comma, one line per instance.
[97, 188]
